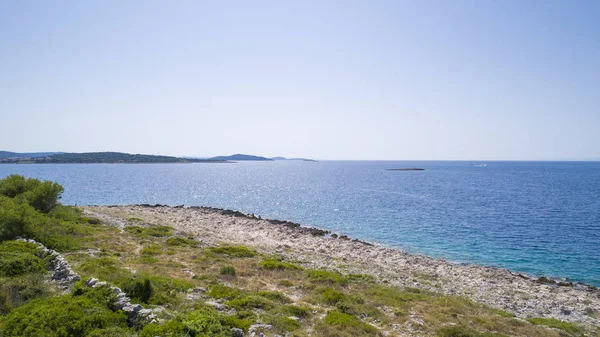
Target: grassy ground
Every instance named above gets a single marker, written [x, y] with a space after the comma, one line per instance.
[184, 274]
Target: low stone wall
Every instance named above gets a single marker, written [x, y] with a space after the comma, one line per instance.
[65, 278]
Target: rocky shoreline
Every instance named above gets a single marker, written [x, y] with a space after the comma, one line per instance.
[520, 294]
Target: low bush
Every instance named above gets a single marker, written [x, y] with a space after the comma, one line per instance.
[457, 331]
[152, 231]
[138, 289]
[221, 291]
[206, 322]
[65, 315]
[273, 264]
[557, 324]
[251, 302]
[227, 270]
[348, 325]
[16, 291]
[181, 241]
[18, 258]
[275, 296]
[329, 296]
[325, 276]
[294, 310]
[233, 251]
[16, 219]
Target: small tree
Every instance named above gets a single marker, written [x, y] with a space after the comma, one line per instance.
[42, 196]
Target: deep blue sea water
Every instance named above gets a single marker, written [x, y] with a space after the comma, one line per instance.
[540, 218]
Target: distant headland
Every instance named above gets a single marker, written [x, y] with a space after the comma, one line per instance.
[94, 158]
[7, 157]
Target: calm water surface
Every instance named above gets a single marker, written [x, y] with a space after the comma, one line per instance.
[540, 218]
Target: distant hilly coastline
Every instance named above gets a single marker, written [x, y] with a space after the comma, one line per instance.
[247, 157]
[94, 158]
[241, 157]
[7, 157]
[7, 154]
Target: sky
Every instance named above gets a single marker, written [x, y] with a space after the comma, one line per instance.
[372, 80]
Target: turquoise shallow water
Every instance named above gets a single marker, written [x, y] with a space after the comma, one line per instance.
[541, 218]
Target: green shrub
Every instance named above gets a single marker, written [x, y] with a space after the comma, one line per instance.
[233, 251]
[14, 264]
[206, 322]
[325, 276]
[294, 310]
[151, 250]
[152, 231]
[139, 289]
[273, 264]
[180, 241]
[170, 328]
[251, 302]
[14, 185]
[282, 323]
[237, 322]
[18, 258]
[16, 291]
[349, 325]
[227, 270]
[557, 324]
[361, 278]
[329, 296]
[275, 296]
[221, 291]
[42, 196]
[61, 316]
[386, 295]
[16, 219]
[457, 331]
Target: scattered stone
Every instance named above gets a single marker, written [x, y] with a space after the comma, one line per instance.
[238, 332]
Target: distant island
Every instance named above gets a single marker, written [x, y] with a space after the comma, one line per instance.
[406, 169]
[248, 157]
[241, 157]
[94, 158]
[284, 158]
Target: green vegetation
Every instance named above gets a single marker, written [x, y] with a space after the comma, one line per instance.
[274, 264]
[67, 315]
[227, 270]
[340, 324]
[155, 231]
[179, 241]
[554, 323]
[156, 266]
[233, 251]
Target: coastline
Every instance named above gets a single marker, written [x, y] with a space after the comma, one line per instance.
[316, 248]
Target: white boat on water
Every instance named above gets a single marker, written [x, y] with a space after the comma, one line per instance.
[479, 165]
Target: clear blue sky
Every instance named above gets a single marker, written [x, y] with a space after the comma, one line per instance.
[322, 79]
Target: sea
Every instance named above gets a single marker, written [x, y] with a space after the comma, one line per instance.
[537, 218]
